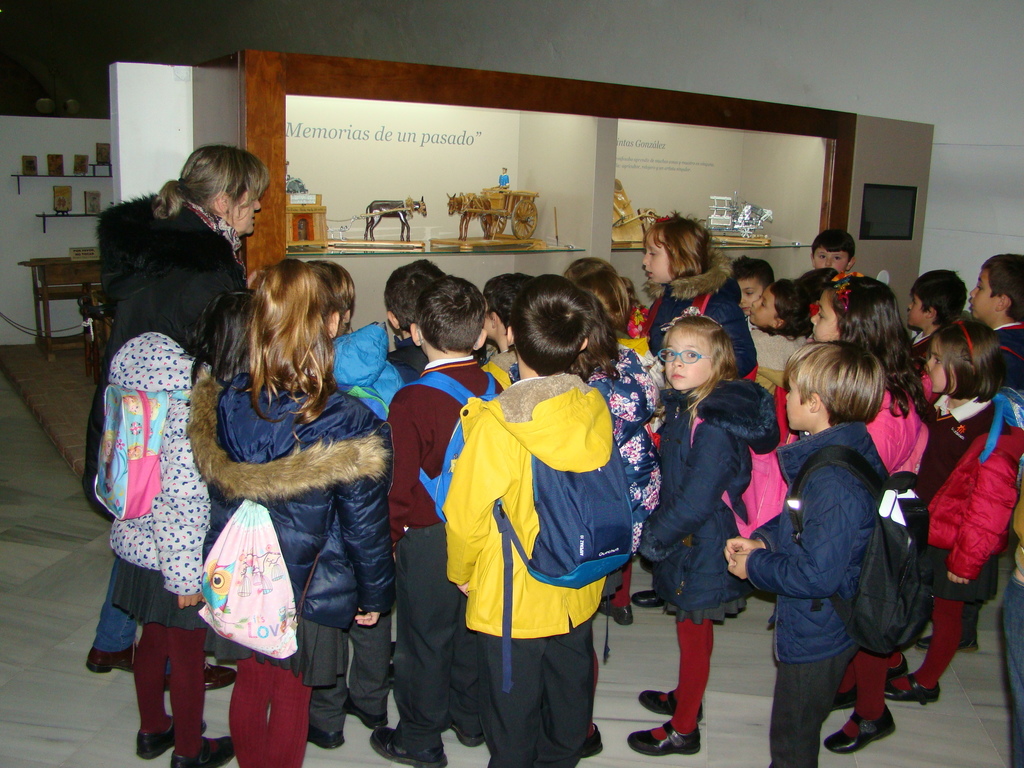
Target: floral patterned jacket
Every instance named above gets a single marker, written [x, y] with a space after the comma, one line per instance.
[632, 399]
[170, 539]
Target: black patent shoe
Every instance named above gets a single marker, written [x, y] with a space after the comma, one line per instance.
[653, 702]
[620, 614]
[844, 699]
[151, 745]
[325, 739]
[371, 721]
[467, 739]
[916, 693]
[647, 598]
[592, 745]
[674, 743]
[967, 646]
[214, 752]
[383, 742]
[868, 731]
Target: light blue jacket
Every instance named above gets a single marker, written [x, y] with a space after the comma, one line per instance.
[362, 370]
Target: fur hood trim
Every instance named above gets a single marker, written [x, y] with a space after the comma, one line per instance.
[133, 242]
[316, 467]
[518, 401]
[685, 288]
[743, 408]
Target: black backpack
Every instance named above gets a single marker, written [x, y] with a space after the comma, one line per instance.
[892, 601]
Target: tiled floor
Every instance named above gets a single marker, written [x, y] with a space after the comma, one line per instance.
[54, 563]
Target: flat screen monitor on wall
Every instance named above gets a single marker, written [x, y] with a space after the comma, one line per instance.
[887, 212]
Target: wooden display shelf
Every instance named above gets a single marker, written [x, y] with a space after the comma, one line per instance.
[483, 244]
[377, 245]
[45, 216]
[93, 175]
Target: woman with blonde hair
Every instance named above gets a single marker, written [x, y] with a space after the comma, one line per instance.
[163, 258]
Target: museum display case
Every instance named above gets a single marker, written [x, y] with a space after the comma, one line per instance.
[357, 132]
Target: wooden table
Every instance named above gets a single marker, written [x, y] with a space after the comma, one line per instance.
[53, 280]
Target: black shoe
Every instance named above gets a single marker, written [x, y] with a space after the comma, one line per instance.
[648, 598]
[870, 730]
[620, 614]
[674, 743]
[151, 745]
[592, 744]
[325, 739]
[916, 693]
[214, 752]
[898, 671]
[383, 742]
[466, 739]
[967, 646]
[370, 721]
[652, 701]
[844, 699]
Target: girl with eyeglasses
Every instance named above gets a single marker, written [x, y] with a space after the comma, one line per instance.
[712, 422]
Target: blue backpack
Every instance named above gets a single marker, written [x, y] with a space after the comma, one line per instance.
[586, 532]
[438, 486]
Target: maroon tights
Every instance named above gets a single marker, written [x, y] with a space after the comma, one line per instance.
[696, 641]
[269, 716]
[184, 648]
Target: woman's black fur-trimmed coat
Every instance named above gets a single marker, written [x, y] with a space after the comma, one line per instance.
[736, 417]
[324, 483]
[161, 273]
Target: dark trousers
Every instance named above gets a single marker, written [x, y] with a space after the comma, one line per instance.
[365, 681]
[436, 670]
[803, 699]
[544, 719]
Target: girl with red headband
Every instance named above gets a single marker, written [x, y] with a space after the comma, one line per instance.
[865, 312]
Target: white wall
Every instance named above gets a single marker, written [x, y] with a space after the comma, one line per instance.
[151, 115]
[21, 235]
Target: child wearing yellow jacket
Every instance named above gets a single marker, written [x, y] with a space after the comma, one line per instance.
[566, 424]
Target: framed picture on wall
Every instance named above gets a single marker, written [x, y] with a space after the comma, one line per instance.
[29, 165]
[92, 202]
[887, 212]
[62, 199]
[102, 153]
[55, 165]
[81, 166]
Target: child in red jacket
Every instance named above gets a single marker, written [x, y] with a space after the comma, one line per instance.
[970, 487]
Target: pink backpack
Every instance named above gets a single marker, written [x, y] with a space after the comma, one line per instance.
[248, 595]
[128, 472]
[765, 494]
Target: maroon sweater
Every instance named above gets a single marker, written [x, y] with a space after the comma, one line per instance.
[422, 420]
[948, 441]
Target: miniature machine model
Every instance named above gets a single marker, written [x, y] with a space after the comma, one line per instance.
[732, 218]
[494, 206]
[399, 209]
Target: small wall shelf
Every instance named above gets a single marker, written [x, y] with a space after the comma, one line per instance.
[45, 216]
[91, 175]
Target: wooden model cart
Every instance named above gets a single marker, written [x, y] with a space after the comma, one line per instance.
[514, 204]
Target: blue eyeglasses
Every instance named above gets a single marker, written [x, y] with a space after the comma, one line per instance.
[688, 356]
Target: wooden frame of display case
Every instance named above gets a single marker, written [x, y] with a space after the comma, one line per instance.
[265, 79]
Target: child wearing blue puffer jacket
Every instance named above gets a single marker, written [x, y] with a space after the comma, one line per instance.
[361, 368]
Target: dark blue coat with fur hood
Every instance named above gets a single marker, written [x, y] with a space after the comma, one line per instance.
[325, 485]
[736, 417]
[838, 518]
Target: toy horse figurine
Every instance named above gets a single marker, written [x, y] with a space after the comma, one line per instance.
[470, 206]
[399, 209]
